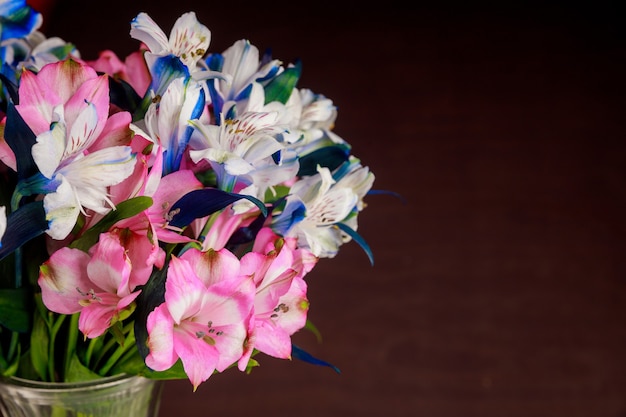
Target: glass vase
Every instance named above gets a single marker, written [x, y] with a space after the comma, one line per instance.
[115, 396]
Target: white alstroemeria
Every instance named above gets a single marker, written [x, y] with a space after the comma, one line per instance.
[237, 147]
[83, 180]
[47, 50]
[326, 202]
[312, 119]
[188, 40]
[33, 52]
[243, 70]
[358, 178]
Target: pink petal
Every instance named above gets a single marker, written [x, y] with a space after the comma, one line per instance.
[61, 276]
[116, 132]
[213, 266]
[109, 267]
[65, 77]
[272, 340]
[183, 290]
[160, 328]
[36, 102]
[199, 358]
[95, 92]
[95, 319]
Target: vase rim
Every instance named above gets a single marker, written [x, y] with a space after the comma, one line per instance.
[46, 385]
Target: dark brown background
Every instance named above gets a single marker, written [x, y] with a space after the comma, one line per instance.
[499, 286]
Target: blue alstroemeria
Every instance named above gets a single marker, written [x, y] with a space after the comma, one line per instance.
[17, 19]
[167, 120]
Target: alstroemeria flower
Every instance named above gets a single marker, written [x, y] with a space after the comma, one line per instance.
[237, 148]
[66, 105]
[245, 72]
[280, 303]
[325, 202]
[133, 70]
[188, 40]
[17, 19]
[177, 56]
[95, 285]
[203, 319]
[167, 121]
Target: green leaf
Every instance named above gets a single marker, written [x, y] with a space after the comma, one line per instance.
[205, 201]
[301, 354]
[39, 347]
[330, 157]
[15, 309]
[152, 294]
[313, 329]
[21, 139]
[252, 363]
[77, 372]
[124, 210]
[281, 87]
[358, 239]
[12, 368]
[135, 365]
[24, 224]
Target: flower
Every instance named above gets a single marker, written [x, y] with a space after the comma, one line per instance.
[160, 212]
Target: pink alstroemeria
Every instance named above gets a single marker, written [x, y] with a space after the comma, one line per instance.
[66, 105]
[203, 321]
[133, 70]
[280, 303]
[95, 285]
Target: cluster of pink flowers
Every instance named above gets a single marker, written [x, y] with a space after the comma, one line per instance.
[180, 198]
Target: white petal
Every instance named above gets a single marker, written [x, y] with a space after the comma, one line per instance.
[144, 29]
[62, 210]
[3, 221]
[82, 131]
[189, 39]
[48, 150]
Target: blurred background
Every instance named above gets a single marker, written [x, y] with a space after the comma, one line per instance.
[499, 285]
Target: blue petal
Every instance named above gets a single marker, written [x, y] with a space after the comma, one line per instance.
[17, 20]
[164, 70]
[294, 212]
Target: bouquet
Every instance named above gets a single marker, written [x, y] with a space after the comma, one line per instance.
[159, 213]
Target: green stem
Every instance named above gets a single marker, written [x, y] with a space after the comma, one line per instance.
[18, 267]
[72, 338]
[13, 345]
[207, 226]
[53, 335]
[110, 344]
[129, 343]
[90, 349]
